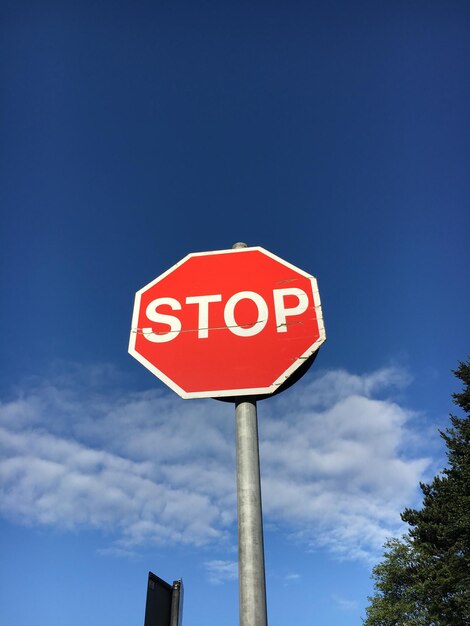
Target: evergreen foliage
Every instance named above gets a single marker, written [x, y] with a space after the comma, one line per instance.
[424, 578]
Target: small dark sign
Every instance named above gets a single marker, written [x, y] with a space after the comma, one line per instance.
[164, 603]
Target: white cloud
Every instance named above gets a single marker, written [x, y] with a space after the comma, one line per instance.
[292, 578]
[221, 571]
[345, 605]
[338, 475]
[152, 468]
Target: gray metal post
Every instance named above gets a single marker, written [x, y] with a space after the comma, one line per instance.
[251, 578]
[176, 618]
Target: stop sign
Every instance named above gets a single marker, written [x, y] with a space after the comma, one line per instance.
[227, 323]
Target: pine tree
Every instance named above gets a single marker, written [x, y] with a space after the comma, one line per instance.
[424, 579]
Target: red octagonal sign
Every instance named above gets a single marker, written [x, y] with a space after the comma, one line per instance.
[227, 323]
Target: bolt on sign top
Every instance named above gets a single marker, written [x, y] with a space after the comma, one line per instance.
[227, 323]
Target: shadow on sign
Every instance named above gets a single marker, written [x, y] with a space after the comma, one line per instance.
[293, 378]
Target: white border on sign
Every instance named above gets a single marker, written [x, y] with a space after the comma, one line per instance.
[225, 393]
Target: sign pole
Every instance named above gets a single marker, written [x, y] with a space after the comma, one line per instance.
[251, 577]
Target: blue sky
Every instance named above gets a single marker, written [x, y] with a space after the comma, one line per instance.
[335, 135]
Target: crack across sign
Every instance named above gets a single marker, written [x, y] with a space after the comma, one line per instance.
[142, 331]
[287, 280]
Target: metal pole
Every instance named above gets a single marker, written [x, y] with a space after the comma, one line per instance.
[251, 578]
[177, 603]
